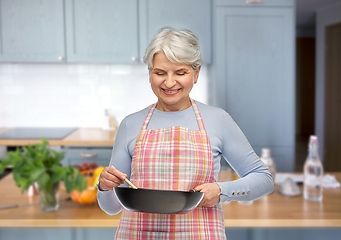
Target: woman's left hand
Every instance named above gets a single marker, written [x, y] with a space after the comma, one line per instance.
[212, 194]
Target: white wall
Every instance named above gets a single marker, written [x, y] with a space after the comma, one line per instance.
[58, 95]
[326, 16]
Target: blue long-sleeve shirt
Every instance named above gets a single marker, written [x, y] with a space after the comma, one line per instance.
[226, 140]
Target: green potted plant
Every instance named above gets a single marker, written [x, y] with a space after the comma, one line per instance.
[38, 164]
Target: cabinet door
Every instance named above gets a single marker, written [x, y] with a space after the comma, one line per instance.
[194, 15]
[32, 31]
[102, 31]
[255, 78]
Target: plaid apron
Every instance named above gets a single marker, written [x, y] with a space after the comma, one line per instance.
[179, 159]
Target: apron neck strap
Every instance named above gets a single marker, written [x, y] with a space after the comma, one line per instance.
[196, 111]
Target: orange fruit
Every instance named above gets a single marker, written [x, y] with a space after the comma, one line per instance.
[87, 196]
[90, 181]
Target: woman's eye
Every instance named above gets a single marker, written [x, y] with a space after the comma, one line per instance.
[160, 74]
[181, 74]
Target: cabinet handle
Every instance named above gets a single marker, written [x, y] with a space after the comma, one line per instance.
[254, 1]
[88, 155]
[60, 58]
[134, 59]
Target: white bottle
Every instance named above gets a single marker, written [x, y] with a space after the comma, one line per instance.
[106, 120]
[313, 173]
[269, 161]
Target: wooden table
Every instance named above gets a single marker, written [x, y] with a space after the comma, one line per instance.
[273, 210]
[80, 137]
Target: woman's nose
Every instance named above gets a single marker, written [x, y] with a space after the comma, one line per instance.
[170, 82]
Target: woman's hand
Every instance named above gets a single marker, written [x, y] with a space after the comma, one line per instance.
[212, 194]
[110, 177]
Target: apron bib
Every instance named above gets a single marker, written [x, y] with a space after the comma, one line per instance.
[179, 159]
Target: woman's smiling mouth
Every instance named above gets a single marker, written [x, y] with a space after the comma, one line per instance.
[170, 92]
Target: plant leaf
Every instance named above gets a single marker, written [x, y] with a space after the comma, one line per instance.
[38, 163]
[44, 182]
[36, 173]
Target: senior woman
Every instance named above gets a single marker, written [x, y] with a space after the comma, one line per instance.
[177, 144]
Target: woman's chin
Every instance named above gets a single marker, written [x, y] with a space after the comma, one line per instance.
[173, 104]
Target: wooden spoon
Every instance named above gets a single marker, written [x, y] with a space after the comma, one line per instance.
[130, 183]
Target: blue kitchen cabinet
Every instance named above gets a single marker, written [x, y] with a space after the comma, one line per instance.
[32, 31]
[95, 31]
[253, 75]
[194, 15]
[102, 31]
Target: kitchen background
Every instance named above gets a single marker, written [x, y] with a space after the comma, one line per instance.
[76, 95]
[288, 108]
[280, 45]
[64, 95]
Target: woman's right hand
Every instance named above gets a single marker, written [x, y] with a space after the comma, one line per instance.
[110, 177]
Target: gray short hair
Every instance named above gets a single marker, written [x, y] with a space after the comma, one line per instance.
[179, 46]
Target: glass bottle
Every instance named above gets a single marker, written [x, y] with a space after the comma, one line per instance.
[106, 120]
[269, 161]
[313, 173]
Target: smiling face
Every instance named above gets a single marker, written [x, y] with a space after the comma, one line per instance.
[171, 83]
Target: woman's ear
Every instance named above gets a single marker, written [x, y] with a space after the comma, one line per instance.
[149, 74]
[196, 75]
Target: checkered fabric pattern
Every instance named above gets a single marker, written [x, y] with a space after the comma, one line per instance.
[178, 159]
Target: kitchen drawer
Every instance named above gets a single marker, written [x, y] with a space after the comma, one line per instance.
[78, 161]
[78, 155]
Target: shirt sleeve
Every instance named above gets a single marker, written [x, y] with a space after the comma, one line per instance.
[255, 179]
[121, 160]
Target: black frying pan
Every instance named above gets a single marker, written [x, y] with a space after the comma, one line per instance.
[158, 201]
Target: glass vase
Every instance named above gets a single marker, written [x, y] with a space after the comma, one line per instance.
[49, 198]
